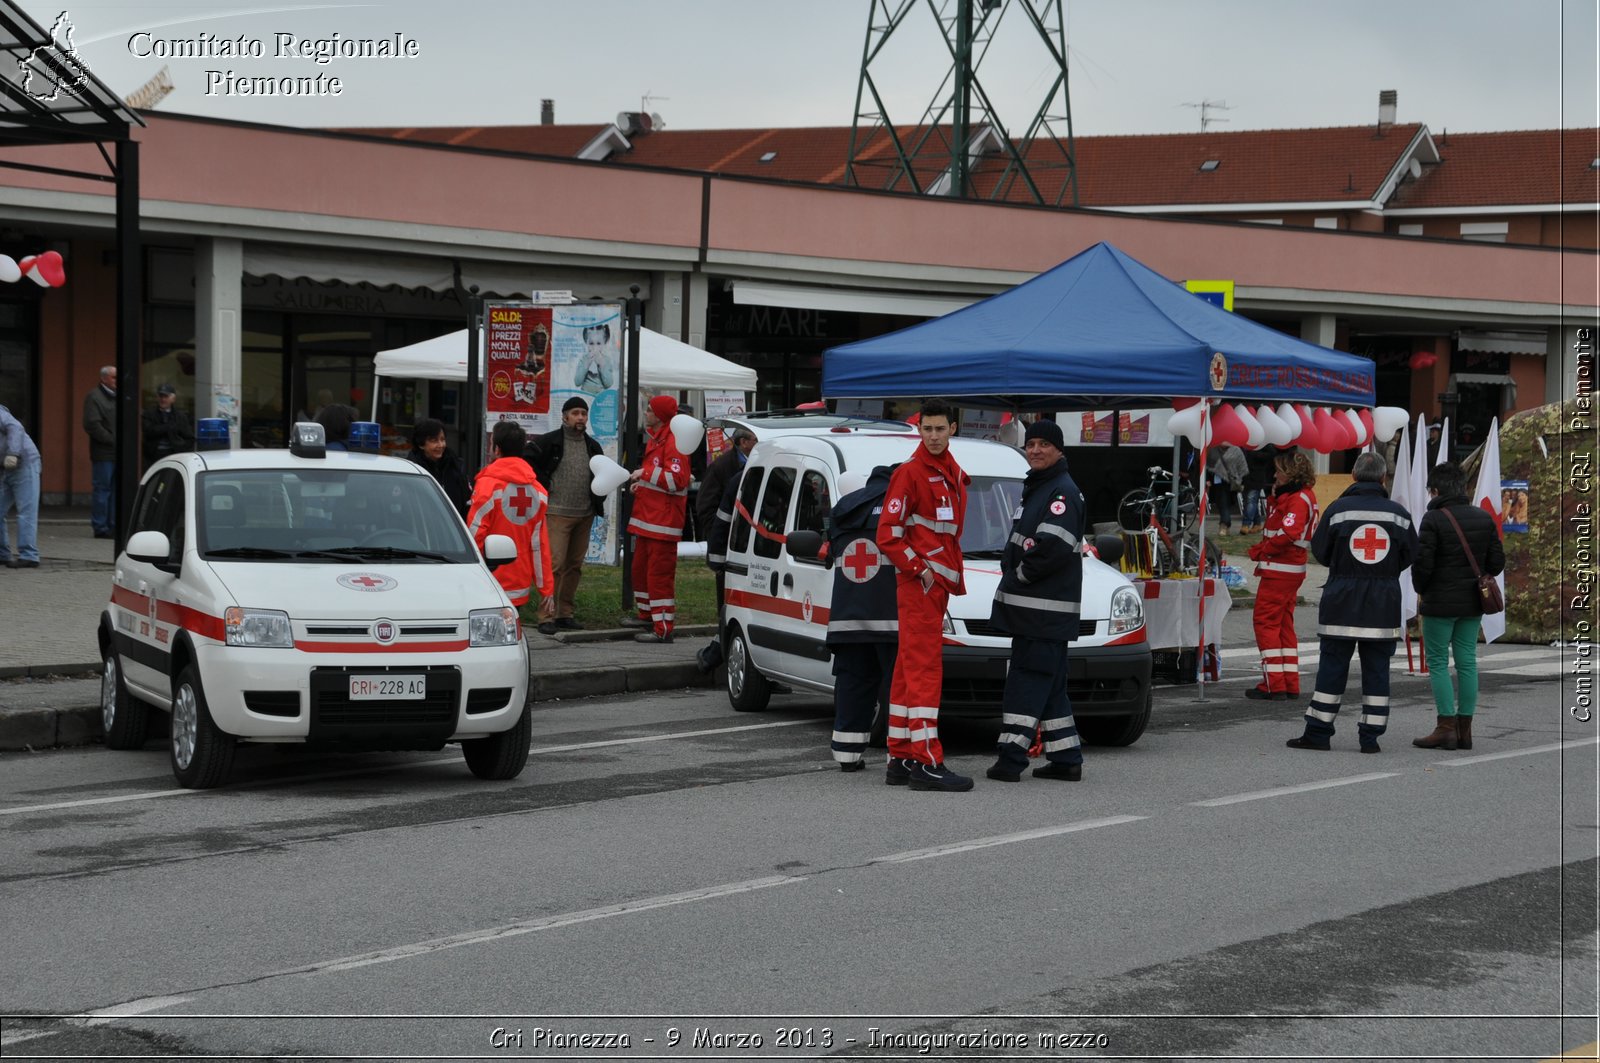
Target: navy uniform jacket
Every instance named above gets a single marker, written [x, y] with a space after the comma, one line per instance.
[722, 523]
[863, 608]
[1041, 570]
[1366, 540]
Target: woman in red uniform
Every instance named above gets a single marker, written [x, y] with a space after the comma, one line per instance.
[1280, 559]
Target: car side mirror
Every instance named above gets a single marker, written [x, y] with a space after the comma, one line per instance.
[804, 545]
[149, 547]
[1109, 547]
[499, 550]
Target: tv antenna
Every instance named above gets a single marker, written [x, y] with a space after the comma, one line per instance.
[1206, 107]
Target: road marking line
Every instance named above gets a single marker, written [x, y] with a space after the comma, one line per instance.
[1284, 791]
[1002, 839]
[1456, 762]
[533, 926]
[150, 795]
[98, 1017]
[1549, 670]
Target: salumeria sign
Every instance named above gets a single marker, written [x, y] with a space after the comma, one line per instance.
[318, 50]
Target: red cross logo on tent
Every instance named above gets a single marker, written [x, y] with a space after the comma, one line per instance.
[862, 561]
[519, 503]
[1219, 372]
[1370, 544]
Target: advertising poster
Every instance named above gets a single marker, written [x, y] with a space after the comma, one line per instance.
[980, 424]
[516, 364]
[720, 404]
[1133, 428]
[1514, 506]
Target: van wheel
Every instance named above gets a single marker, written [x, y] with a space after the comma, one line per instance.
[1118, 730]
[748, 689]
[125, 719]
[201, 752]
[503, 755]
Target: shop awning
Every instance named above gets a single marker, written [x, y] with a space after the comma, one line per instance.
[499, 279]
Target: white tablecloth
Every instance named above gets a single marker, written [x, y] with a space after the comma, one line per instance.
[1172, 612]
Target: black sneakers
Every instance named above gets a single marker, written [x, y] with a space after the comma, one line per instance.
[1000, 773]
[921, 776]
[852, 765]
[1303, 743]
[547, 628]
[895, 773]
[1056, 770]
[567, 623]
[1257, 694]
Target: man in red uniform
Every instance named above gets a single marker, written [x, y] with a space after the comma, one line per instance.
[660, 497]
[1280, 559]
[920, 532]
[507, 500]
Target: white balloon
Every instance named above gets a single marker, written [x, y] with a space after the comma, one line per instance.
[1277, 432]
[1258, 433]
[687, 432]
[1186, 423]
[8, 269]
[1355, 423]
[851, 481]
[1387, 420]
[1286, 413]
[608, 475]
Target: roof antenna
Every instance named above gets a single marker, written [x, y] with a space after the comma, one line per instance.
[1206, 107]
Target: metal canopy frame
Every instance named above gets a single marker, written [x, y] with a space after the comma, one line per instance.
[49, 98]
[943, 150]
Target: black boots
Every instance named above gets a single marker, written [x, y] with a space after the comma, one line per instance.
[1463, 732]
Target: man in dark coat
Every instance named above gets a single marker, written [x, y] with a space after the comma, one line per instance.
[165, 428]
[863, 622]
[728, 466]
[1366, 541]
[1041, 580]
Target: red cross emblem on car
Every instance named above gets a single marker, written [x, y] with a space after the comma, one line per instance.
[519, 503]
[1370, 544]
[805, 608]
[366, 581]
[862, 561]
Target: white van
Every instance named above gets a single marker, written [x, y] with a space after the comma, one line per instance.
[303, 596]
[777, 604]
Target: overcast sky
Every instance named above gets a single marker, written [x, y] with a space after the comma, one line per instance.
[1464, 65]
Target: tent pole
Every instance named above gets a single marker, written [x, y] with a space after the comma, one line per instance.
[1200, 523]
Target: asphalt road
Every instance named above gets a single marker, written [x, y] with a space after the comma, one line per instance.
[665, 865]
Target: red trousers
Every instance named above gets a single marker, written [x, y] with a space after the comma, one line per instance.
[655, 578]
[918, 672]
[1275, 637]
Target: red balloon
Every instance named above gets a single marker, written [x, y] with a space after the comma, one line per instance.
[1328, 428]
[1226, 427]
[1310, 435]
[50, 268]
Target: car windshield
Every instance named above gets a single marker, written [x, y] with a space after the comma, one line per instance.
[991, 500]
[327, 515]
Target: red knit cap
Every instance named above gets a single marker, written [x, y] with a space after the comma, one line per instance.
[665, 407]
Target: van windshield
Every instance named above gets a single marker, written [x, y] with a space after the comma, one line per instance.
[327, 515]
[991, 500]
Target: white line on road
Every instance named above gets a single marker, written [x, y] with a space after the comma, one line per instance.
[1002, 839]
[1284, 791]
[150, 795]
[97, 1017]
[1456, 762]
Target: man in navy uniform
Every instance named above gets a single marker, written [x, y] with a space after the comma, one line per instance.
[863, 624]
[1041, 578]
[1366, 540]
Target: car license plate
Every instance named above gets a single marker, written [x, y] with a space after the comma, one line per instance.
[388, 687]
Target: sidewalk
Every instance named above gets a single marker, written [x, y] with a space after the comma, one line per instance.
[50, 659]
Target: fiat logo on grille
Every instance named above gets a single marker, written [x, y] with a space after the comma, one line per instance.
[385, 631]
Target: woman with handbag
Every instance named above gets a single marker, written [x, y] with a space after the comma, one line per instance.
[1453, 575]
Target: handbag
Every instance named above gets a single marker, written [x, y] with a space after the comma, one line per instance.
[1488, 590]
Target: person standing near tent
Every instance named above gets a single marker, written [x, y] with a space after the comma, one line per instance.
[1258, 482]
[1457, 541]
[660, 499]
[863, 624]
[1366, 539]
[920, 533]
[507, 500]
[1041, 584]
[1280, 559]
[1227, 475]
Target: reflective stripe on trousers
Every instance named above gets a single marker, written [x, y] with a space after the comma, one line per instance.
[1333, 672]
[1036, 698]
[862, 673]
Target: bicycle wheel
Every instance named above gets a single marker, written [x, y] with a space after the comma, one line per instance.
[1133, 512]
[1188, 506]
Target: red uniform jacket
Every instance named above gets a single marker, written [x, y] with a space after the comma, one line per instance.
[1281, 553]
[663, 494]
[920, 527]
[507, 500]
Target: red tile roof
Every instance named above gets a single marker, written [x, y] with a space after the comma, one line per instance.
[1536, 166]
[560, 140]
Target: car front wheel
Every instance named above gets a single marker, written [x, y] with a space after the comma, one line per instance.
[1118, 730]
[503, 755]
[201, 752]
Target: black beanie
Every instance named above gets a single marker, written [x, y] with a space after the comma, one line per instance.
[574, 403]
[1048, 431]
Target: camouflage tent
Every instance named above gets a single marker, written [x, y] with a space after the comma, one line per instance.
[1551, 567]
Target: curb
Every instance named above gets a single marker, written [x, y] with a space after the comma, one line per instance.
[612, 634]
[24, 730]
[37, 671]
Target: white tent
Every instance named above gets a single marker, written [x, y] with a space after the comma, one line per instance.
[664, 364]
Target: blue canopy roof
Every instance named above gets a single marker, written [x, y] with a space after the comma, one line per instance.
[1100, 330]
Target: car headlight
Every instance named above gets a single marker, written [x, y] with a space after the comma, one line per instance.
[258, 628]
[493, 627]
[1127, 611]
[949, 625]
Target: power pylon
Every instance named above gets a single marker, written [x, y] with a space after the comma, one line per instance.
[960, 146]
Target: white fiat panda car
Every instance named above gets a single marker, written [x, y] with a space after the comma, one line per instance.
[315, 596]
[777, 604]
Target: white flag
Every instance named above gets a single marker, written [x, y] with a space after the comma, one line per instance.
[1400, 491]
[1487, 498]
[1444, 446]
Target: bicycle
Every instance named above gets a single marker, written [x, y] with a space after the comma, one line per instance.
[1140, 507]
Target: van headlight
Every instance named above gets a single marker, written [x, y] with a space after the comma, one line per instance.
[493, 627]
[258, 628]
[1127, 611]
[949, 625]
